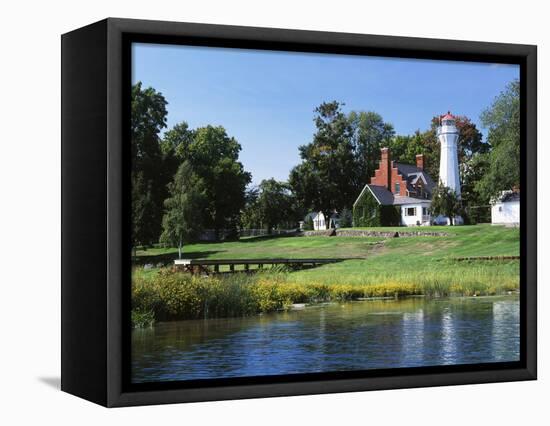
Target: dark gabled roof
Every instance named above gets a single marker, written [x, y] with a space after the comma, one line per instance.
[386, 198]
[406, 169]
[382, 194]
[411, 174]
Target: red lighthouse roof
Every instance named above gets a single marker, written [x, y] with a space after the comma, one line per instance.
[448, 116]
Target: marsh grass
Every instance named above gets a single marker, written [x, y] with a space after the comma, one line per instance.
[173, 295]
[142, 319]
[399, 267]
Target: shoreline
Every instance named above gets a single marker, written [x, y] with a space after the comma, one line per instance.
[173, 296]
[318, 305]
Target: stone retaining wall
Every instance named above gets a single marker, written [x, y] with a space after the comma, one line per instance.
[323, 233]
[367, 233]
[362, 233]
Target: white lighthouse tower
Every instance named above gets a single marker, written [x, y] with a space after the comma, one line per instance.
[449, 176]
[447, 134]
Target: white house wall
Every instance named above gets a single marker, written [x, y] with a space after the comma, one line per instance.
[505, 213]
[417, 218]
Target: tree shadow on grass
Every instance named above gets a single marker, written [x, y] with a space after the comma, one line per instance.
[168, 258]
[265, 238]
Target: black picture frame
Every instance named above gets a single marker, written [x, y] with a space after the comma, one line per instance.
[95, 201]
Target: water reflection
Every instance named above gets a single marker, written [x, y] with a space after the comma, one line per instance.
[336, 337]
[412, 338]
[505, 315]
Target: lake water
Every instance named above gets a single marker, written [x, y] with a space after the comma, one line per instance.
[334, 337]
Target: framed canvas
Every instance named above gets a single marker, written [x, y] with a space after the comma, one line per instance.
[255, 212]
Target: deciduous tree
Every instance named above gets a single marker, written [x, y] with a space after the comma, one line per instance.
[148, 117]
[445, 202]
[326, 180]
[183, 217]
[502, 119]
[369, 133]
[275, 204]
[214, 158]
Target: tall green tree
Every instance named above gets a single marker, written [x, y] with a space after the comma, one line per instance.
[214, 157]
[404, 149]
[183, 217]
[369, 134]
[251, 215]
[142, 211]
[148, 117]
[445, 202]
[175, 142]
[275, 204]
[269, 206]
[179, 138]
[475, 204]
[470, 140]
[305, 183]
[327, 178]
[502, 119]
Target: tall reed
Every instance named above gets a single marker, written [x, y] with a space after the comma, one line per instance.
[171, 295]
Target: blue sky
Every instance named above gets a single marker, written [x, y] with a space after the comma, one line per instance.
[266, 100]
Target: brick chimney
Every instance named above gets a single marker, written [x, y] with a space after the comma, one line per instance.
[385, 167]
[420, 161]
[382, 175]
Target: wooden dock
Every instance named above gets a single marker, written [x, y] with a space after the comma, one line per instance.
[195, 266]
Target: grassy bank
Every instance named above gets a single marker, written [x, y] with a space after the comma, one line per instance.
[168, 295]
[397, 267]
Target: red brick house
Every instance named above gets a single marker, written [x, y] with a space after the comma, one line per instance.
[398, 194]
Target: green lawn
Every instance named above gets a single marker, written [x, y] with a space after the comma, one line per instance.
[387, 267]
[420, 259]
[276, 247]
[410, 259]
[476, 240]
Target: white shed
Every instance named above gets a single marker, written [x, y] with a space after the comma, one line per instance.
[505, 209]
[318, 219]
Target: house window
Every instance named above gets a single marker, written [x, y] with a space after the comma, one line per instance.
[397, 187]
[500, 208]
[410, 211]
[424, 211]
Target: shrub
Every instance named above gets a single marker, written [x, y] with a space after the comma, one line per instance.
[346, 218]
[142, 319]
